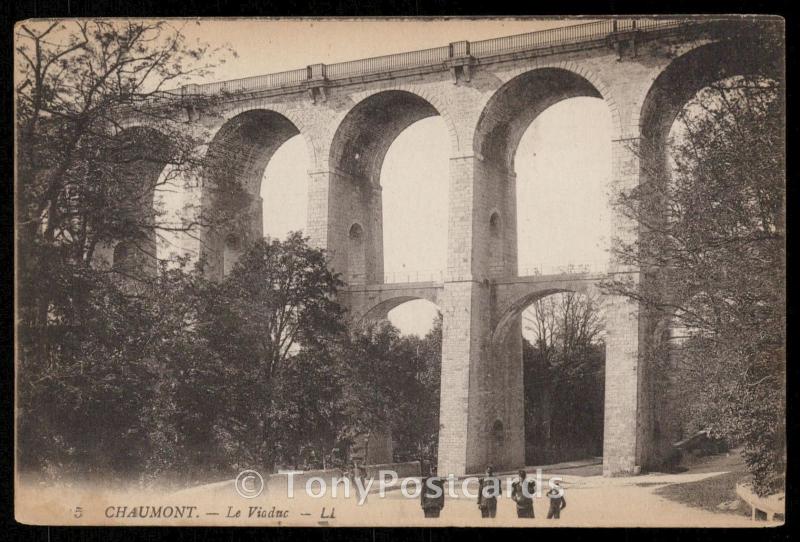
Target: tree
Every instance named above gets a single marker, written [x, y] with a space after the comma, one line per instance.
[106, 403]
[89, 337]
[393, 387]
[270, 318]
[564, 375]
[712, 254]
[416, 428]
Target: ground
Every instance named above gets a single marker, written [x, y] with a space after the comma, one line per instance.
[691, 498]
[716, 493]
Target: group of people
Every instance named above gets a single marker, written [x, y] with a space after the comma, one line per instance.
[522, 493]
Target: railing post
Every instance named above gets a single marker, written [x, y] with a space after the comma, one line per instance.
[459, 48]
[316, 71]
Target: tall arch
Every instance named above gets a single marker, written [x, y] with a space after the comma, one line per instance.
[516, 104]
[233, 171]
[357, 152]
[689, 73]
[504, 120]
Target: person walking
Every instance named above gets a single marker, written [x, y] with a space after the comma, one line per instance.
[488, 490]
[522, 492]
[557, 500]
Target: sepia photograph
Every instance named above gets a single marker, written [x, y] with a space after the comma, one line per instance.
[400, 272]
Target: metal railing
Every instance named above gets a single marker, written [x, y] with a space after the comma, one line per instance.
[564, 269]
[422, 275]
[531, 41]
[250, 84]
[378, 64]
[544, 38]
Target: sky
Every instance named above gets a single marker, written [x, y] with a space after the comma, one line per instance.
[563, 162]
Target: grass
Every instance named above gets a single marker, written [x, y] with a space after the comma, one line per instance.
[710, 492]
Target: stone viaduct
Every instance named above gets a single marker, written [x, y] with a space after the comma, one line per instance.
[487, 92]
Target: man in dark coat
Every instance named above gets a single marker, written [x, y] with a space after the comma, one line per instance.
[557, 501]
[432, 495]
[488, 490]
[522, 492]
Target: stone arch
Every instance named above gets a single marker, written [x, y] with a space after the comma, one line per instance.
[244, 144]
[510, 312]
[234, 166]
[305, 130]
[508, 112]
[706, 62]
[437, 107]
[357, 150]
[380, 310]
[367, 130]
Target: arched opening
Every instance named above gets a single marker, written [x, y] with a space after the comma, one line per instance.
[545, 137]
[562, 335]
[417, 341]
[414, 181]
[239, 181]
[563, 166]
[375, 154]
[284, 189]
[564, 376]
[681, 81]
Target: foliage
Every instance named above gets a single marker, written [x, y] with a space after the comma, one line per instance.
[563, 368]
[271, 316]
[712, 251]
[396, 387]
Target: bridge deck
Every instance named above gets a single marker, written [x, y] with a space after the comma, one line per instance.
[529, 279]
[443, 58]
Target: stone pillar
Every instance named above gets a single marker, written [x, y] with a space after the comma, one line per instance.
[318, 223]
[625, 426]
[337, 201]
[373, 211]
[481, 397]
[244, 226]
[620, 428]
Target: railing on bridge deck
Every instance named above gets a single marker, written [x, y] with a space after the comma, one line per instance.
[531, 41]
[564, 269]
[422, 275]
[398, 61]
[438, 275]
[250, 84]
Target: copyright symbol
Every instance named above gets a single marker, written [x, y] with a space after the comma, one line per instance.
[249, 484]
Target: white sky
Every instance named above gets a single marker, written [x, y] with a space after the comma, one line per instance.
[563, 161]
